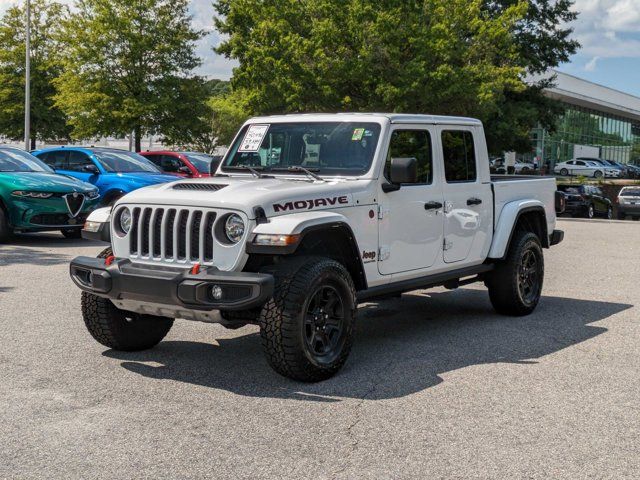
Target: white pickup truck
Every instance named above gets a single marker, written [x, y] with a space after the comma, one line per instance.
[308, 216]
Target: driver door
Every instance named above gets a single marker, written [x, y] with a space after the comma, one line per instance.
[411, 221]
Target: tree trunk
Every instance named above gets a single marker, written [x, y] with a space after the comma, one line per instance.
[33, 142]
[137, 140]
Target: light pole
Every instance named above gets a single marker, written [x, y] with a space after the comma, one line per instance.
[27, 82]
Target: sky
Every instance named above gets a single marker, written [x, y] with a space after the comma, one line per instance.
[608, 30]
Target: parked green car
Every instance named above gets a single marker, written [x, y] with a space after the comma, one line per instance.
[34, 198]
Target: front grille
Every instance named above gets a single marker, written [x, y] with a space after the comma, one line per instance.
[172, 234]
[199, 186]
[55, 219]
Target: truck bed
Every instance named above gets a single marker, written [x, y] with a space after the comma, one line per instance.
[512, 188]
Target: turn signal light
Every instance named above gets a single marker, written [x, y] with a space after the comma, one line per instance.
[276, 240]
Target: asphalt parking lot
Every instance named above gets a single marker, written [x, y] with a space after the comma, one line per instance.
[437, 386]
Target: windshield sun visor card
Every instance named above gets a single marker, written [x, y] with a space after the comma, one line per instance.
[253, 138]
[358, 133]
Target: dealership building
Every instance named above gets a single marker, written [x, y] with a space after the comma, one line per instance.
[598, 122]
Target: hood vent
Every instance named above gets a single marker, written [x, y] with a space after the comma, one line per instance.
[199, 186]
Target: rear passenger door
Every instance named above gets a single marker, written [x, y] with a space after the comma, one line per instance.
[468, 200]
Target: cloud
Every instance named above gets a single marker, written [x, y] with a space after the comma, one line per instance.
[213, 65]
[591, 64]
[608, 28]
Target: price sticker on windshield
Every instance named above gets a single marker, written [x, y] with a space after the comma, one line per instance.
[253, 138]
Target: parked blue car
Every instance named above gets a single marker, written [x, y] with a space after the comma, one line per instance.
[115, 172]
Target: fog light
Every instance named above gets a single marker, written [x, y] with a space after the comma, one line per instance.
[216, 292]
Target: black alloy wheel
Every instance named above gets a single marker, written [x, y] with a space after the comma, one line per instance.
[324, 324]
[529, 277]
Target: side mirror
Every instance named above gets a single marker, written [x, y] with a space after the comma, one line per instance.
[213, 167]
[91, 169]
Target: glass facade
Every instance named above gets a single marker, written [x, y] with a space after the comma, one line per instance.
[589, 133]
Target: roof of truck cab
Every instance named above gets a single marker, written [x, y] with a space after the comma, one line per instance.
[391, 117]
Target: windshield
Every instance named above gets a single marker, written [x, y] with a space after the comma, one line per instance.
[201, 161]
[630, 193]
[330, 148]
[18, 161]
[124, 162]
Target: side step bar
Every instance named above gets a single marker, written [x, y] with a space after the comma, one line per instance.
[451, 279]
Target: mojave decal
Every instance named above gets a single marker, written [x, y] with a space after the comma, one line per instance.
[311, 204]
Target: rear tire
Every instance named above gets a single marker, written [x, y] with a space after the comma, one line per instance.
[609, 213]
[5, 230]
[71, 232]
[120, 329]
[591, 212]
[515, 285]
[307, 328]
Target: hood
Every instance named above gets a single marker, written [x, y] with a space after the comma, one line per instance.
[277, 196]
[147, 178]
[43, 182]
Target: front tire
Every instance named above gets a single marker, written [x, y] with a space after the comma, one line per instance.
[564, 172]
[307, 327]
[591, 212]
[515, 285]
[120, 329]
[5, 230]
[597, 174]
[609, 214]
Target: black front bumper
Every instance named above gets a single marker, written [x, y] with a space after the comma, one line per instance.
[172, 286]
[556, 237]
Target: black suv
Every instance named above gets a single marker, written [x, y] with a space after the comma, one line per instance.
[586, 201]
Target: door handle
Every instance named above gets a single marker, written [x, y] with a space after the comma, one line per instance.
[474, 201]
[432, 206]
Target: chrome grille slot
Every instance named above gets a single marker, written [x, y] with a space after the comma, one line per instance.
[133, 235]
[194, 253]
[169, 251]
[172, 234]
[181, 230]
[208, 236]
[145, 220]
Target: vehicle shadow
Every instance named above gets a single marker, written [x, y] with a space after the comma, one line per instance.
[402, 346]
[29, 249]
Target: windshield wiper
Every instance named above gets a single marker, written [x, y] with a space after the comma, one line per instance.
[299, 169]
[253, 171]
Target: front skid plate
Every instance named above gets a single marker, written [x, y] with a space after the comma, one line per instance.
[171, 311]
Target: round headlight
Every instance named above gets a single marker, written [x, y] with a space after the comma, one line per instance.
[234, 228]
[125, 220]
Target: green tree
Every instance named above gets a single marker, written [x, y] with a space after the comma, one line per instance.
[127, 66]
[438, 56]
[47, 121]
[198, 126]
[543, 39]
[229, 112]
[424, 56]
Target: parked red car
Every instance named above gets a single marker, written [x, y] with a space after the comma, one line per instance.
[184, 164]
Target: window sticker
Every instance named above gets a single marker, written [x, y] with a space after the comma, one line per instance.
[358, 133]
[253, 138]
[368, 133]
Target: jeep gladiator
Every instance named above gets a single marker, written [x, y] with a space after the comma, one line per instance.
[308, 216]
